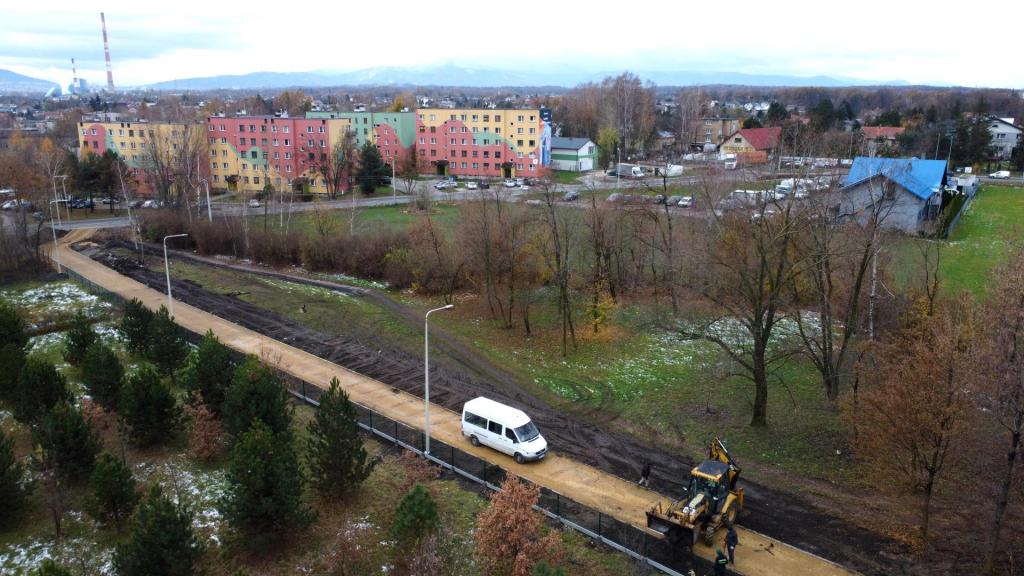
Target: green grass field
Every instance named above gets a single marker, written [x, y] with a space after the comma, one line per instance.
[992, 226]
[398, 217]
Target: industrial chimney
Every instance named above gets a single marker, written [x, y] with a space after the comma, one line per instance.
[106, 52]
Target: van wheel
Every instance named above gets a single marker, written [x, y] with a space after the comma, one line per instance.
[519, 458]
[474, 441]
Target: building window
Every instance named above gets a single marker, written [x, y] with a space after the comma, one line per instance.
[216, 178]
[287, 155]
[285, 128]
[463, 165]
[520, 117]
[255, 179]
[225, 166]
[287, 142]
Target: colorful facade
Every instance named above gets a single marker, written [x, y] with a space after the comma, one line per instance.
[249, 152]
[136, 143]
[482, 142]
[393, 132]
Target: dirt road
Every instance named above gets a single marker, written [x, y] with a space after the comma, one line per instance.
[590, 485]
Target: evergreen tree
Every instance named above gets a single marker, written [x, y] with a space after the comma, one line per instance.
[135, 325]
[372, 171]
[256, 393]
[50, 568]
[12, 358]
[337, 459]
[148, 408]
[68, 442]
[823, 115]
[12, 488]
[777, 114]
[40, 386]
[208, 371]
[113, 488]
[264, 494]
[415, 516]
[12, 326]
[78, 339]
[102, 375]
[162, 542]
[165, 347]
[751, 122]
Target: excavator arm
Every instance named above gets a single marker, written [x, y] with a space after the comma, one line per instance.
[718, 451]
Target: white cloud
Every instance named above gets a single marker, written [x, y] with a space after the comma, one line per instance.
[872, 39]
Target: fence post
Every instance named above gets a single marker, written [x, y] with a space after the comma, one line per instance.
[453, 458]
[558, 504]
[599, 525]
[371, 420]
[396, 432]
[304, 399]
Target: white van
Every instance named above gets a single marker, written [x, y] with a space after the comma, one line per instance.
[503, 428]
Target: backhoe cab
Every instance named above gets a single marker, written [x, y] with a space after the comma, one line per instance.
[712, 499]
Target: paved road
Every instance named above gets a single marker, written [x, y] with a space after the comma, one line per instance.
[617, 497]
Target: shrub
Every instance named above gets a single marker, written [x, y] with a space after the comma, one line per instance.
[337, 459]
[207, 439]
[50, 568]
[113, 488]
[148, 408]
[256, 393]
[40, 387]
[78, 339]
[102, 375]
[162, 542]
[68, 441]
[12, 359]
[415, 517]
[509, 533]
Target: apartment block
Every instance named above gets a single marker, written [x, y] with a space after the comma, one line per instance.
[498, 143]
[140, 144]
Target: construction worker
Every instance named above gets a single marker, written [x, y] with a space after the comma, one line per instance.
[731, 540]
[645, 475]
[720, 563]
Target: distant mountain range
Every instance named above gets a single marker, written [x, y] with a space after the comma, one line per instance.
[454, 75]
[14, 82]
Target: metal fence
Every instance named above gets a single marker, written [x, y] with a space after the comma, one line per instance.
[638, 544]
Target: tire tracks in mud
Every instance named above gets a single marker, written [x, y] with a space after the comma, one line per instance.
[781, 515]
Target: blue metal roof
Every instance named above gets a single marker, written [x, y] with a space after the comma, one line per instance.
[921, 177]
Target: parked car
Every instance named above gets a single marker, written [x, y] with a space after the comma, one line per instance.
[571, 196]
[82, 203]
[39, 216]
[510, 183]
[110, 201]
[471, 186]
[135, 203]
[520, 182]
[150, 204]
[9, 205]
[614, 197]
[442, 185]
[254, 203]
[659, 199]
[1002, 174]
[503, 428]
[685, 202]
[484, 185]
[673, 200]
[17, 204]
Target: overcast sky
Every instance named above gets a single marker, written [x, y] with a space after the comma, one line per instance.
[974, 44]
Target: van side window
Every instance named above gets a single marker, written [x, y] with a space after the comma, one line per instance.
[510, 435]
[494, 427]
[476, 420]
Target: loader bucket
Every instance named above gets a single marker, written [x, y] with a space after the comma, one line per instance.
[659, 523]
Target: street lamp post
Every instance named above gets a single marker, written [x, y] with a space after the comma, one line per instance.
[426, 377]
[56, 254]
[394, 183]
[167, 269]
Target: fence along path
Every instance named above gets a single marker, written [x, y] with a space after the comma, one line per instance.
[623, 500]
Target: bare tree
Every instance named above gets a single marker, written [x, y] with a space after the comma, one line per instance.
[561, 224]
[336, 165]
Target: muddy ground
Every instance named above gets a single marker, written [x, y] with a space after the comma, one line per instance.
[785, 516]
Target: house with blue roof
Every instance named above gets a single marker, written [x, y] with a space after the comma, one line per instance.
[573, 154]
[906, 192]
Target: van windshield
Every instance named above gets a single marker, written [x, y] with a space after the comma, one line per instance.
[527, 432]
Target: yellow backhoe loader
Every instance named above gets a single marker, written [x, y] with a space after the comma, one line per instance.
[712, 500]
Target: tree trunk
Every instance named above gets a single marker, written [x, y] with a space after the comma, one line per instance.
[1004, 494]
[760, 417]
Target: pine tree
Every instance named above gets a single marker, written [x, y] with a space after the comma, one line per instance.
[78, 339]
[12, 358]
[165, 347]
[162, 542]
[372, 170]
[337, 459]
[68, 442]
[208, 371]
[40, 386]
[264, 494]
[102, 375]
[135, 325]
[12, 487]
[415, 516]
[256, 393]
[12, 326]
[113, 488]
[148, 408]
